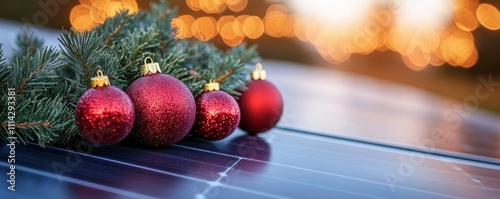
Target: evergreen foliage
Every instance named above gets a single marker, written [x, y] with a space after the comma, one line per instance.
[49, 80]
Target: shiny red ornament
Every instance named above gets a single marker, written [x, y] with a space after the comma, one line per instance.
[165, 108]
[217, 115]
[104, 114]
[261, 105]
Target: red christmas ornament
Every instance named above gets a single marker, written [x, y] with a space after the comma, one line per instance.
[217, 114]
[164, 107]
[261, 104]
[104, 114]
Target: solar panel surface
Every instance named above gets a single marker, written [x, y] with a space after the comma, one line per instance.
[280, 164]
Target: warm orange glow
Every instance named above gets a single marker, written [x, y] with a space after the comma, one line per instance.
[458, 47]
[488, 16]
[337, 52]
[227, 31]
[184, 25]
[204, 28]
[300, 28]
[223, 21]
[238, 6]
[421, 42]
[238, 25]
[288, 26]
[86, 2]
[412, 65]
[212, 6]
[274, 22]
[472, 59]
[436, 60]
[231, 38]
[231, 2]
[419, 58]
[92, 12]
[465, 19]
[79, 18]
[194, 4]
[469, 4]
[312, 31]
[253, 27]
[276, 8]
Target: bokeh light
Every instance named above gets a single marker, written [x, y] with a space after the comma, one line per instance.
[253, 27]
[204, 28]
[488, 16]
[89, 13]
[423, 32]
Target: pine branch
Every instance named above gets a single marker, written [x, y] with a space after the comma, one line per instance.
[162, 16]
[38, 119]
[81, 51]
[110, 38]
[247, 55]
[37, 70]
[50, 82]
[4, 73]
[26, 41]
[119, 21]
[34, 69]
[29, 125]
[4, 78]
[223, 77]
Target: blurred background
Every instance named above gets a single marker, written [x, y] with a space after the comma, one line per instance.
[441, 46]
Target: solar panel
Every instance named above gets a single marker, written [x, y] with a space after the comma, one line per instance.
[279, 164]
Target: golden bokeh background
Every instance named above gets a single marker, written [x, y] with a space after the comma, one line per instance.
[418, 45]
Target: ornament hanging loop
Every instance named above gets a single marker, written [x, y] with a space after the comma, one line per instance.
[99, 73]
[146, 60]
[258, 73]
[212, 86]
[100, 80]
[150, 68]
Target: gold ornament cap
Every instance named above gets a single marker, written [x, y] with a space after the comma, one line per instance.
[100, 80]
[151, 67]
[211, 86]
[258, 73]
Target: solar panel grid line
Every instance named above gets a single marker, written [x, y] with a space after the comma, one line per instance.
[319, 186]
[472, 159]
[375, 187]
[325, 173]
[208, 182]
[487, 185]
[332, 140]
[188, 150]
[111, 174]
[114, 190]
[373, 159]
[378, 158]
[421, 168]
[208, 151]
[355, 168]
[132, 165]
[216, 182]
[154, 160]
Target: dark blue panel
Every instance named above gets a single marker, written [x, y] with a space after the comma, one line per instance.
[302, 183]
[193, 163]
[46, 185]
[106, 173]
[278, 164]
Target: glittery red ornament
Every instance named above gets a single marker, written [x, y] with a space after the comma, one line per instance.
[165, 108]
[261, 104]
[104, 114]
[217, 114]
